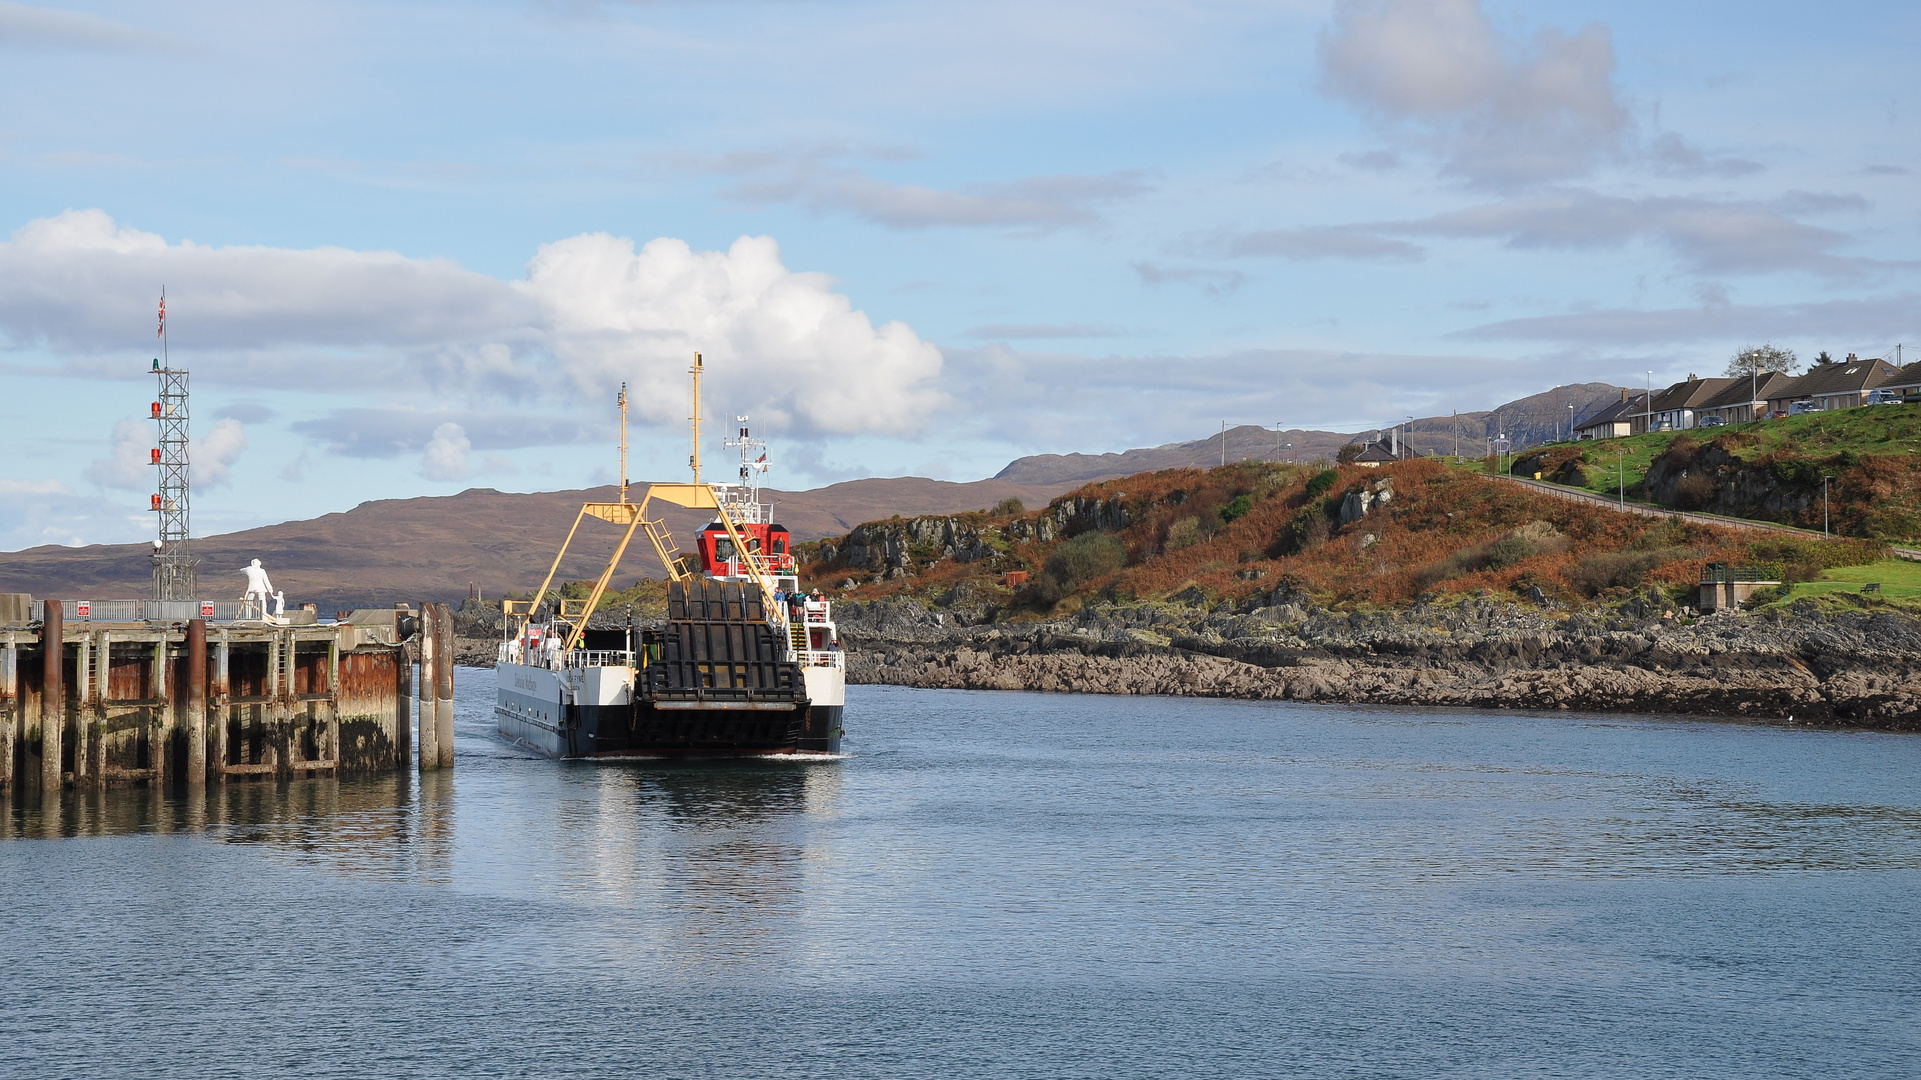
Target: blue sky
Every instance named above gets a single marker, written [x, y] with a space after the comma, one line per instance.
[413, 248]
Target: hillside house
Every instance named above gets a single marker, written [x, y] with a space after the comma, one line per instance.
[1623, 417]
[1905, 381]
[1742, 400]
[1678, 407]
[1840, 384]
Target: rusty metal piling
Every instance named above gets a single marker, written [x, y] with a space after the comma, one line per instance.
[196, 703]
[53, 698]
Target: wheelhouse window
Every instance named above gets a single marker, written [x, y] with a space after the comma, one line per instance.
[723, 549]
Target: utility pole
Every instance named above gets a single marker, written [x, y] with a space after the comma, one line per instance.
[1223, 444]
[1648, 429]
[694, 459]
[1621, 473]
[1824, 505]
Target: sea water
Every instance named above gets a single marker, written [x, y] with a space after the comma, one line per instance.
[1002, 885]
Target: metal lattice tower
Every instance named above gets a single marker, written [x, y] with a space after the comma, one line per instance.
[173, 562]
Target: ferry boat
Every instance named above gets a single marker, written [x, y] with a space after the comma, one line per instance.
[746, 666]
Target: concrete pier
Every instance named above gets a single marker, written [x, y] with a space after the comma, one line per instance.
[444, 682]
[429, 691]
[95, 695]
[197, 703]
[53, 698]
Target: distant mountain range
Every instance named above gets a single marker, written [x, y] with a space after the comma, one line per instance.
[435, 548]
[1529, 421]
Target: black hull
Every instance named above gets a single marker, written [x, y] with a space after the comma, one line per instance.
[688, 729]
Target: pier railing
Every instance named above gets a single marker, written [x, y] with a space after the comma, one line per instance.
[156, 611]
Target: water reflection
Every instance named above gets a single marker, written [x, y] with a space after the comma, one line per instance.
[383, 826]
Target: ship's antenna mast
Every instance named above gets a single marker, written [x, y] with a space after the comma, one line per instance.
[623, 443]
[173, 561]
[695, 459]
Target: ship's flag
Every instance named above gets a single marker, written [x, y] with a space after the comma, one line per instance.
[161, 331]
[760, 460]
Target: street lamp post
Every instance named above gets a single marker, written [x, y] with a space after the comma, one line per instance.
[1570, 422]
[1648, 429]
[1621, 473]
[1824, 505]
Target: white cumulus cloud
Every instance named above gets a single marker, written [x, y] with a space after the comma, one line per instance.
[780, 344]
[593, 311]
[213, 455]
[445, 456]
[129, 460]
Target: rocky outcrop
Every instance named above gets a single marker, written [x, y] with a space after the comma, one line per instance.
[1364, 499]
[1711, 479]
[1855, 669]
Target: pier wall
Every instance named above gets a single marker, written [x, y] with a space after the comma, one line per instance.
[89, 702]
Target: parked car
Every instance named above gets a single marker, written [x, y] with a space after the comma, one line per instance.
[1884, 397]
[1712, 421]
[1800, 408]
[1777, 415]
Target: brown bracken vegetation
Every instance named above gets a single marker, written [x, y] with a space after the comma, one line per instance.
[1243, 529]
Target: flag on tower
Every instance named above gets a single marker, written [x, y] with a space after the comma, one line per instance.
[161, 331]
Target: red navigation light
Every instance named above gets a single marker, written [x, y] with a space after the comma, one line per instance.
[156, 410]
[156, 502]
[156, 455]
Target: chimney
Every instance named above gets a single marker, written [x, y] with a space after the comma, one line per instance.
[1624, 394]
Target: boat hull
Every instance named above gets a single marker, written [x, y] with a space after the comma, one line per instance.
[593, 713]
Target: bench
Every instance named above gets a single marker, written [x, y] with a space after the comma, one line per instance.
[1871, 587]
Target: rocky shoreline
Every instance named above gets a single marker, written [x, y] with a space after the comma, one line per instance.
[1850, 669]
[1853, 669]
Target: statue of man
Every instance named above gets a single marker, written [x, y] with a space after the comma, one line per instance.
[259, 589]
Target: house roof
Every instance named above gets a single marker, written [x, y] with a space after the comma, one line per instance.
[1840, 377]
[1903, 377]
[1690, 394]
[1375, 451]
[1634, 405]
[1747, 391]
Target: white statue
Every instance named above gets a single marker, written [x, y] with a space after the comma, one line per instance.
[259, 589]
[279, 605]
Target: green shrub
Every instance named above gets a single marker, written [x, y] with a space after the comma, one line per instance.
[1507, 551]
[1087, 556]
[1619, 569]
[1009, 507]
[1318, 484]
[1236, 508]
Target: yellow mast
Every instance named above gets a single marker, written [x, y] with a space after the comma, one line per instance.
[695, 459]
[623, 443]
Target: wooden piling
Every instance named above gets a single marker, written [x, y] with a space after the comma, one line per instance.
[222, 710]
[83, 707]
[444, 682]
[429, 742]
[160, 733]
[101, 668]
[53, 697]
[10, 710]
[196, 702]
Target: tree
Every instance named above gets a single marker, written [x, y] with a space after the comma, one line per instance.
[1348, 453]
[1761, 359]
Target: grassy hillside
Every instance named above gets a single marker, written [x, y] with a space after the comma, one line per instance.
[1224, 534]
[1770, 469]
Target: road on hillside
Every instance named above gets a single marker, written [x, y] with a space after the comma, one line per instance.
[1647, 510]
